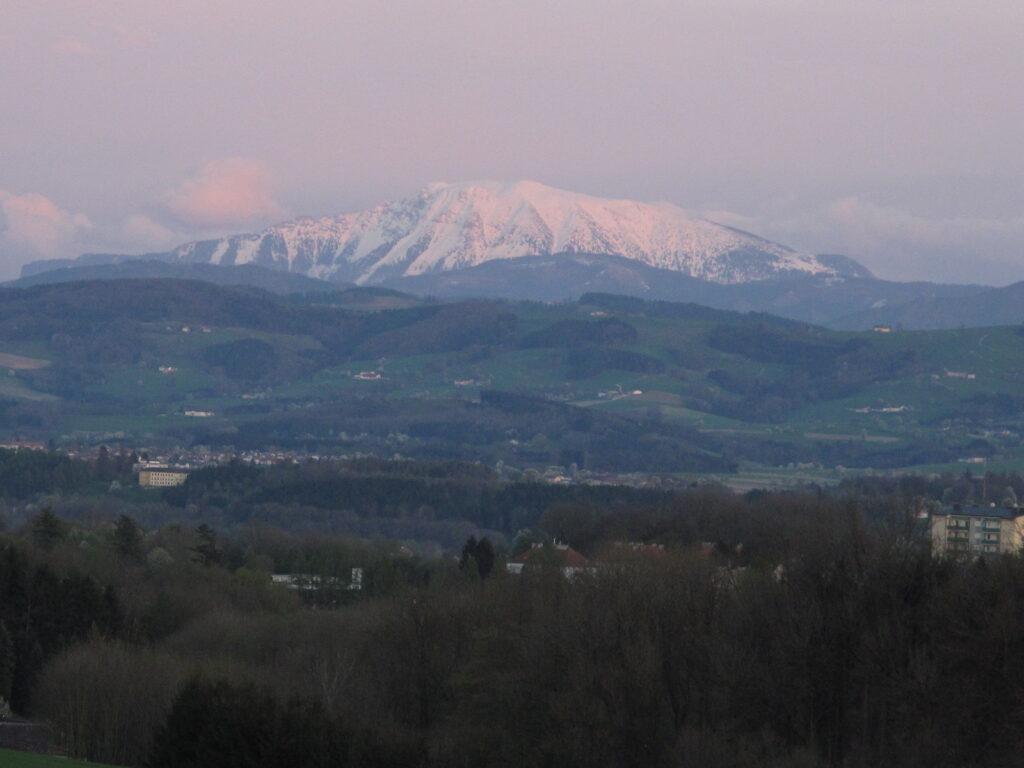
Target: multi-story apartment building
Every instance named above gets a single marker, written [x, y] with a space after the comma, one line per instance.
[161, 477]
[977, 530]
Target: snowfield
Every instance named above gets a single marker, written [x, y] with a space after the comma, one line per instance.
[452, 226]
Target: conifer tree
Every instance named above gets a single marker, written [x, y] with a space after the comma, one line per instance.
[206, 548]
[468, 549]
[128, 538]
[484, 556]
[47, 529]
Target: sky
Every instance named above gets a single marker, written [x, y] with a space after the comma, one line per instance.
[890, 131]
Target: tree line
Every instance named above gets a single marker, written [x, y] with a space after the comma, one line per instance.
[773, 629]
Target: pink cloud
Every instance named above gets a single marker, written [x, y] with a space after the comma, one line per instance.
[234, 192]
[894, 242]
[73, 47]
[34, 225]
[131, 36]
[140, 231]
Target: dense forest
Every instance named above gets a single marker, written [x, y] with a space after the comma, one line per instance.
[773, 628]
[435, 503]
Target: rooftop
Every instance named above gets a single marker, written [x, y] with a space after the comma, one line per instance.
[1004, 513]
[563, 554]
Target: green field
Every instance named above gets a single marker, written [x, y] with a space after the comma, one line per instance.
[925, 391]
[11, 759]
[751, 389]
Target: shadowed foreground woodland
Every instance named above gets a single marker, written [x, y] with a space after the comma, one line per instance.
[832, 636]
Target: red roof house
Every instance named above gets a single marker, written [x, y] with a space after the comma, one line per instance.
[565, 557]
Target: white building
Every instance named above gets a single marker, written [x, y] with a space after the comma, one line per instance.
[162, 477]
[977, 530]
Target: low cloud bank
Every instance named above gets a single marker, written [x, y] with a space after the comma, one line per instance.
[895, 243]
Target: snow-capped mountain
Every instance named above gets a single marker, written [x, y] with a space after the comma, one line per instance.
[453, 226]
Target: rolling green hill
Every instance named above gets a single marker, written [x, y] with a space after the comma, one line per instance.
[607, 383]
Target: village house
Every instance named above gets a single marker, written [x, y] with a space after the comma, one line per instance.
[571, 562]
[639, 548]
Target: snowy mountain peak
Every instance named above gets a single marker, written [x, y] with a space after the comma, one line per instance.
[452, 226]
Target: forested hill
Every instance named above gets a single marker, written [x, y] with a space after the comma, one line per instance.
[121, 314]
[243, 275]
[608, 383]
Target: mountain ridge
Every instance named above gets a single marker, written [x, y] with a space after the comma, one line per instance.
[1003, 305]
[565, 277]
[245, 275]
[453, 226]
[447, 227]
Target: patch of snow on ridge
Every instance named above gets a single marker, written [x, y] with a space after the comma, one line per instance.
[453, 226]
[247, 250]
[218, 252]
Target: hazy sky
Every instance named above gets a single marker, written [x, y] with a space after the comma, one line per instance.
[892, 131]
